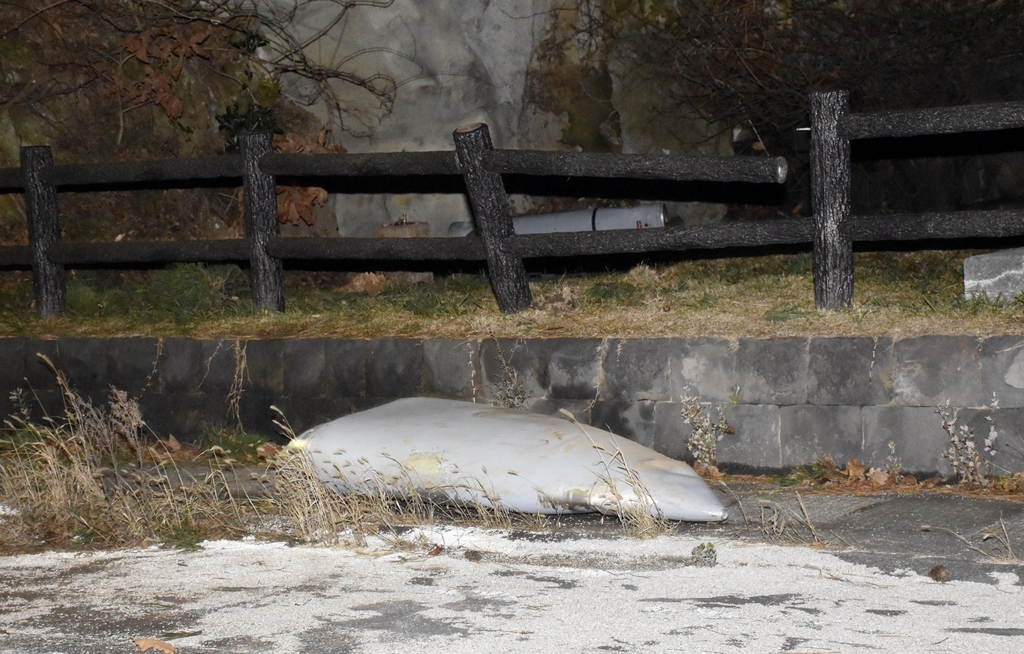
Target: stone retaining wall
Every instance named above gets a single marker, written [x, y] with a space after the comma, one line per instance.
[790, 400]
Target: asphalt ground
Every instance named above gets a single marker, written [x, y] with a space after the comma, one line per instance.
[794, 571]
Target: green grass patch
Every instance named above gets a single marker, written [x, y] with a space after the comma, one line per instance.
[772, 296]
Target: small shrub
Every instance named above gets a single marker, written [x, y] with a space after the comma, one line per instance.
[894, 463]
[703, 556]
[968, 464]
[705, 434]
[509, 391]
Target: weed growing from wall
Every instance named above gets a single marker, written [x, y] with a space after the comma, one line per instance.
[968, 464]
[509, 391]
[705, 434]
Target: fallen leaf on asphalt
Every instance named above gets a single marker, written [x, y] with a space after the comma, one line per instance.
[854, 470]
[171, 444]
[146, 644]
[711, 472]
[268, 450]
[880, 478]
[435, 550]
[939, 573]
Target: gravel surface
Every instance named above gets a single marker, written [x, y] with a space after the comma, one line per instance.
[468, 590]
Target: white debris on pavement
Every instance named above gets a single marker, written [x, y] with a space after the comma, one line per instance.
[485, 590]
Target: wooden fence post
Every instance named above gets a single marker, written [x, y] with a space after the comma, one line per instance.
[49, 282]
[266, 274]
[830, 201]
[493, 217]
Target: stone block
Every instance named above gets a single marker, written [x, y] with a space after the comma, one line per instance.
[850, 371]
[995, 274]
[189, 416]
[256, 415]
[810, 433]
[1002, 370]
[928, 370]
[264, 366]
[670, 433]
[638, 369]
[181, 365]
[772, 371]
[706, 365]
[917, 432]
[451, 369]
[528, 360]
[345, 362]
[394, 367]
[306, 412]
[45, 403]
[633, 420]
[1008, 424]
[84, 362]
[12, 364]
[38, 374]
[167, 413]
[755, 445]
[304, 368]
[218, 366]
[132, 365]
[580, 409]
[574, 367]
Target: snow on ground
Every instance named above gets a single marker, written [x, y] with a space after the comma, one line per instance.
[495, 591]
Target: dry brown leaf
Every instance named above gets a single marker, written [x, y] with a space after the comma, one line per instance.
[296, 203]
[146, 644]
[172, 444]
[268, 450]
[435, 550]
[855, 470]
[370, 283]
[880, 478]
[160, 454]
[908, 480]
[711, 472]
[138, 47]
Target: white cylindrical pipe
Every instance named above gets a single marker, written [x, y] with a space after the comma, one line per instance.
[581, 220]
[596, 219]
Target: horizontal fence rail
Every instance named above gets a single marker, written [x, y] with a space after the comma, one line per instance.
[131, 172]
[474, 159]
[638, 166]
[128, 252]
[945, 225]
[17, 256]
[831, 231]
[832, 129]
[11, 179]
[360, 165]
[926, 122]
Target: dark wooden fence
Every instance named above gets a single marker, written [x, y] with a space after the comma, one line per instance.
[474, 159]
[832, 230]
[835, 230]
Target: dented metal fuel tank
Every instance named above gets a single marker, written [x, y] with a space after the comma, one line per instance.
[478, 454]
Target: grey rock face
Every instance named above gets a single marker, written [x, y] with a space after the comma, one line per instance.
[997, 274]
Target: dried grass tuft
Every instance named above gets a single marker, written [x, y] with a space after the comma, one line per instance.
[84, 479]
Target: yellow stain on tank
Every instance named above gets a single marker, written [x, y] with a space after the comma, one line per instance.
[425, 465]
